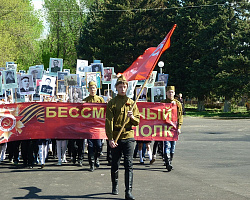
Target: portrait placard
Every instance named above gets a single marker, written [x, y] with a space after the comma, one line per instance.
[131, 89]
[97, 67]
[26, 84]
[151, 80]
[47, 85]
[85, 92]
[36, 96]
[55, 65]
[60, 75]
[70, 80]
[6, 64]
[77, 95]
[113, 82]
[143, 95]
[108, 92]
[11, 66]
[22, 71]
[61, 88]
[94, 76]
[17, 97]
[36, 72]
[10, 79]
[1, 85]
[80, 66]
[164, 78]
[159, 83]
[158, 93]
[66, 70]
[83, 81]
[108, 72]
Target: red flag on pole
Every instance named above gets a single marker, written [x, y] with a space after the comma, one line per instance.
[143, 66]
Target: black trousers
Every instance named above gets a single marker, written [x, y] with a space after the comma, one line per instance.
[77, 148]
[29, 150]
[13, 150]
[125, 147]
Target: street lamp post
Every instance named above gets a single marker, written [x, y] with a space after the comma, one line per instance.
[161, 65]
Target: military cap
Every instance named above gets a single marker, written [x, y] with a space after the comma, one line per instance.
[120, 80]
[170, 88]
[92, 83]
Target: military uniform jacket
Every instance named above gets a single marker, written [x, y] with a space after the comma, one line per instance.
[116, 115]
[94, 99]
[179, 110]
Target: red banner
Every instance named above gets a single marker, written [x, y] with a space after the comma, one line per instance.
[44, 120]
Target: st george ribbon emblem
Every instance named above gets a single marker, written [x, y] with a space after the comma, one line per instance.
[7, 123]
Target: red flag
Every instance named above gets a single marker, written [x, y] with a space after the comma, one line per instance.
[143, 66]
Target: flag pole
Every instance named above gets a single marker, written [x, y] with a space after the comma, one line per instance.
[127, 119]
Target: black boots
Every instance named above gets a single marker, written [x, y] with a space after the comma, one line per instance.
[168, 162]
[128, 185]
[114, 179]
[91, 163]
[97, 161]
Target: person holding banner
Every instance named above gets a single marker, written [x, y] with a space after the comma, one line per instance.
[94, 145]
[118, 110]
[169, 146]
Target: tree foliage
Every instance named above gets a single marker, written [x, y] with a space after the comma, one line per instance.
[20, 28]
[209, 36]
[64, 18]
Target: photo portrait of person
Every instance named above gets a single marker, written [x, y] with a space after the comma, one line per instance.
[85, 92]
[108, 71]
[9, 76]
[12, 66]
[77, 95]
[96, 67]
[26, 84]
[22, 71]
[36, 96]
[66, 70]
[143, 95]
[83, 81]
[106, 92]
[55, 65]
[36, 73]
[60, 75]
[164, 78]
[1, 85]
[81, 64]
[159, 93]
[151, 79]
[70, 80]
[159, 83]
[61, 88]
[131, 88]
[46, 88]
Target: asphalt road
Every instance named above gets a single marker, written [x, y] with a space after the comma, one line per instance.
[212, 161]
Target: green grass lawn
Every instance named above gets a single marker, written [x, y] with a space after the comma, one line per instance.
[235, 113]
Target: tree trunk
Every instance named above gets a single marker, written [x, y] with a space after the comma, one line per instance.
[201, 105]
[227, 106]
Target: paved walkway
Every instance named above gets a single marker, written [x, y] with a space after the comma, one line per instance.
[211, 162]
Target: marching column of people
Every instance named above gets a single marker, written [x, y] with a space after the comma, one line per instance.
[121, 109]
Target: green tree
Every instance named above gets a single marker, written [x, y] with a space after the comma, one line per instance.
[20, 29]
[117, 32]
[64, 18]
